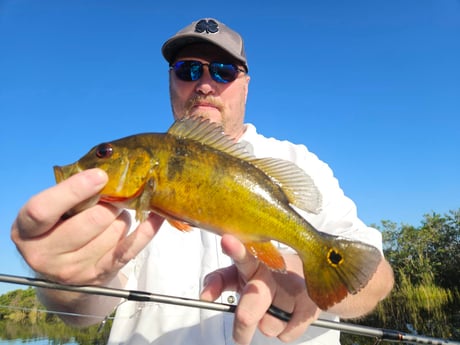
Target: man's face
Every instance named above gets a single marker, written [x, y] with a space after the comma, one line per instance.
[222, 103]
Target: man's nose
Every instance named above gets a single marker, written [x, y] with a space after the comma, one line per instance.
[206, 85]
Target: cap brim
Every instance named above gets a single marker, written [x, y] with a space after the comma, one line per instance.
[174, 45]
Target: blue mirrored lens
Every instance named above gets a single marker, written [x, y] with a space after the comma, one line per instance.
[188, 70]
[193, 70]
[222, 72]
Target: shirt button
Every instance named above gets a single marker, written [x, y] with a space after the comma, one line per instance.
[231, 299]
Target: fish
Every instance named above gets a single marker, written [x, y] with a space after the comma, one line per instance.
[196, 176]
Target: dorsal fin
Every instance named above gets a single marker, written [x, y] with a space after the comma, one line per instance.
[299, 187]
[208, 133]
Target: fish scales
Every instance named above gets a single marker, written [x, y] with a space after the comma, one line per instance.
[194, 175]
[219, 192]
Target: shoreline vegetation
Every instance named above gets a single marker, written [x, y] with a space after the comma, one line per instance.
[425, 300]
[23, 317]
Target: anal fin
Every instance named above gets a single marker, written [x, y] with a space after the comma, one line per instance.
[179, 225]
[268, 254]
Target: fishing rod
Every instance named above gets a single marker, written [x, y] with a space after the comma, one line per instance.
[143, 296]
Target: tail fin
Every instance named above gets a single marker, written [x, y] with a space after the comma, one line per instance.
[338, 268]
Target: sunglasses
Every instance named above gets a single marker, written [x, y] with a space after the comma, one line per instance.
[191, 70]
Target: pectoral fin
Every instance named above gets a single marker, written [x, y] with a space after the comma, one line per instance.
[142, 203]
[268, 254]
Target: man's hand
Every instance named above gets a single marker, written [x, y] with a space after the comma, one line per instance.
[259, 287]
[88, 248]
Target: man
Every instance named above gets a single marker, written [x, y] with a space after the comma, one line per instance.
[208, 77]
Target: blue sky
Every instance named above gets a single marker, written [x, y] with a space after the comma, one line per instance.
[372, 87]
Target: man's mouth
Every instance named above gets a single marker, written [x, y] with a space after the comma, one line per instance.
[199, 102]
[204, 105]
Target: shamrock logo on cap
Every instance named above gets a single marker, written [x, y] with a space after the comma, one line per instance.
[210, 26]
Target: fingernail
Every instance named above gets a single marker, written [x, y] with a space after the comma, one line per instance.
[207, 280]
[99, 177]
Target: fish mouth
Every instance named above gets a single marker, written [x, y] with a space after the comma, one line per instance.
[63, 172]
[58, 173]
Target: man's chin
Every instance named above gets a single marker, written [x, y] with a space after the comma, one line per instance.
[211, 115]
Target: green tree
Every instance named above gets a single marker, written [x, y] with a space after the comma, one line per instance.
[23, 317]
[426, 298]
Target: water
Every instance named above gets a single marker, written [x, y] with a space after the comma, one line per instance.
[31, 342]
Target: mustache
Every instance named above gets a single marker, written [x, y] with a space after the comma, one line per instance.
[200, 99]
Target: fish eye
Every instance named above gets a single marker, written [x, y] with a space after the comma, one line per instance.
[104, 150]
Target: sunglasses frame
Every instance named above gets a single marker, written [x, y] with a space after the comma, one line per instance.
[213, 68]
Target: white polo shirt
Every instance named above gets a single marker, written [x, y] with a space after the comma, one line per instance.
[174, 263]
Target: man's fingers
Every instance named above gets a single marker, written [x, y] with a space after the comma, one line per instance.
[215, 283]
[305, 313]
[138, 239]
[85, 227]
[246, 263]
[45, 209]
[256, 298]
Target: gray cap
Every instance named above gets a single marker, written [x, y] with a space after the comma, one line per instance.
[206, 30]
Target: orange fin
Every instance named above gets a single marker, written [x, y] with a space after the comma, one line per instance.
[340, 267]
[182, 226]
[268, 254]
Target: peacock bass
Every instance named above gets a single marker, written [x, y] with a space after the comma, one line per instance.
[194, 175]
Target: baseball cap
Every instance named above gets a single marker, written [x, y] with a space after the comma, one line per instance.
[206, 30]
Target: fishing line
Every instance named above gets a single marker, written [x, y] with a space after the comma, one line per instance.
[54, 312]
[144, 296]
